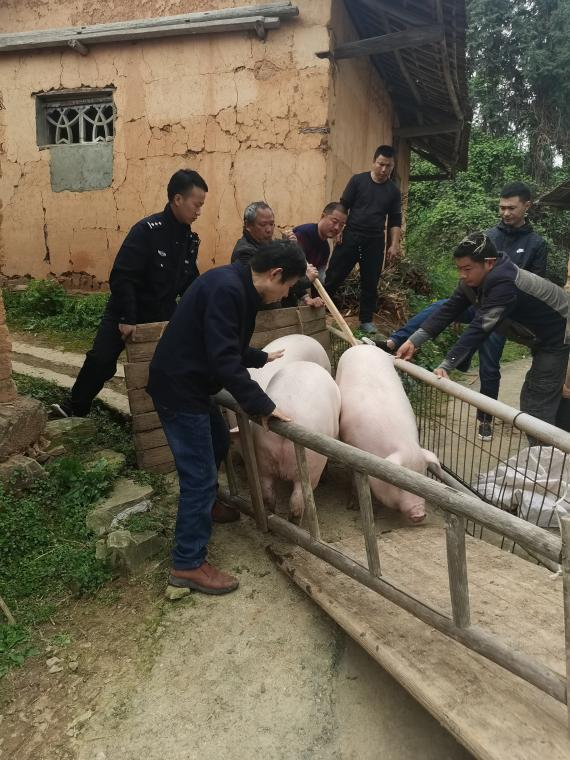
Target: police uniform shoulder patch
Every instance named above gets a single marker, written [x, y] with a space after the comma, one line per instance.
[152, 223]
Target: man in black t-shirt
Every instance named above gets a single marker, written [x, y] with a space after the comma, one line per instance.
[370, 198]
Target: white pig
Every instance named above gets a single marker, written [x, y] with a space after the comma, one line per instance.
[376, 416]
[297, 348]
[307, 393]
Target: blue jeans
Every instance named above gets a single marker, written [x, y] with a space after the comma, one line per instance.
[490, 351]
[199, 444]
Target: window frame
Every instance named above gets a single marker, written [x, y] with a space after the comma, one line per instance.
[82, 97]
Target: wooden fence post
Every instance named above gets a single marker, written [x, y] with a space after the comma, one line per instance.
[248, 451]
[308, 496]
[457, 569]
[367, 514]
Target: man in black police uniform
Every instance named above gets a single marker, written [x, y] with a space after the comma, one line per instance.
[155, 265]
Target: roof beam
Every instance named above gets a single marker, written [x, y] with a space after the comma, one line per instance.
[387, 43]
[422, 130]
[229, 19]
[395, 10]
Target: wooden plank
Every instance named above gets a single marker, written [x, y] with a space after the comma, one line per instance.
[308, 495]
[362, 483]
[150, 439]
[146, 421]
[148, 459]
[100, 34]
[491, 712]
[309, 314]
[422, 130]
[314, 327]
[140, 402]
[136, 375]
[141, 352]
[261, 339]
[387, 43]
[457, 569]
[275, 318]
[146, 333]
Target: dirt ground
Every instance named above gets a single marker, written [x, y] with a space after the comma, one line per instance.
[261, 673]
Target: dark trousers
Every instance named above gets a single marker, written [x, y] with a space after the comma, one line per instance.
[542, 388]
[199, 444]
[99, 366]
[368, 252]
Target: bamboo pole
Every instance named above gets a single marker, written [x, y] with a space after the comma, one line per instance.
[362, 485]
[248, 451]
[471, 507]
[308, 495]
[565, 565]
[457, 569]
[6, 610]
[345, 329]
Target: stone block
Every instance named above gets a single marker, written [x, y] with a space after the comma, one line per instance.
[126, 498]
[114, 459]
[70, 430]
[22, 422]
[130, 552]
[20, 471]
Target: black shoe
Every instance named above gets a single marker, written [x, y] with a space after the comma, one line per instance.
[486, 431]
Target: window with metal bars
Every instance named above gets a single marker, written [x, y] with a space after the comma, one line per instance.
[75, 117]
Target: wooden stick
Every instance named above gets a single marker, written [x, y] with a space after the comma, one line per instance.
[368, 528]
[248, 451]
[471, 507]
[308, 495]
[6, 610]
[565, 565]
[457, 569]
[347, 332]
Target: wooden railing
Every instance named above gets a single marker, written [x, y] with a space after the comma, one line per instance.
[457, 506]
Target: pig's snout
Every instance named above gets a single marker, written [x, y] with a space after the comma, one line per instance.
[417, 514]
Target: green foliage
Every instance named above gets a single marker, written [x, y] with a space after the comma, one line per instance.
[46, 307]
[15, 647]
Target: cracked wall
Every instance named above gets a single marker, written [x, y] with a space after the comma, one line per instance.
[358, 96]
[251, 116]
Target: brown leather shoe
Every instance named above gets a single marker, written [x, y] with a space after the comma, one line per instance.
[223, 514]
[206, 578]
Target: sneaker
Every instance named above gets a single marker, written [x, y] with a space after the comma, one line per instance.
[486, 431]
[368, 327]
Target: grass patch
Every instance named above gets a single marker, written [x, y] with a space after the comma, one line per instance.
[47, 309]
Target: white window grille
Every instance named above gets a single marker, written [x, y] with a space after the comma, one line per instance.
[75, 117]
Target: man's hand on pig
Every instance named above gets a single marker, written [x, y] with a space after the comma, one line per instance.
[276, 414]
[406, 351]
[271, 357]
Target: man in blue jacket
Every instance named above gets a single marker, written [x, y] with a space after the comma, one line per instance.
[206, 348]
[515, 303]
[515, 237]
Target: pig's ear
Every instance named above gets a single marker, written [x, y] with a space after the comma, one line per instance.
[432, 462]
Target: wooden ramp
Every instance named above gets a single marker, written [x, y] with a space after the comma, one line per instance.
[494, 714]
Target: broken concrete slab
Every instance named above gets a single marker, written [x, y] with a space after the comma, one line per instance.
[129, 552]
[70, 430]
[22, 423]
[126, 498]
[20, 471]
